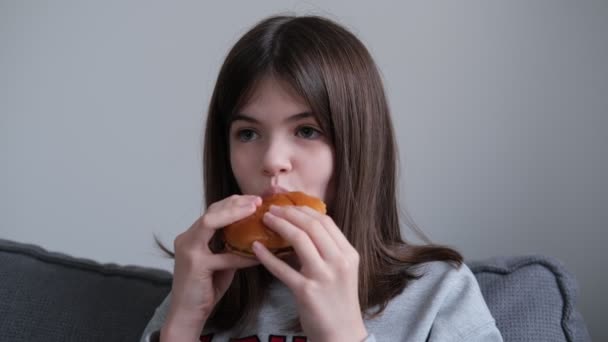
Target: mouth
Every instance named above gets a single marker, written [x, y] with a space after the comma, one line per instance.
[273, 190]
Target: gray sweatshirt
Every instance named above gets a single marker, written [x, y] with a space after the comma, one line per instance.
[446, 304]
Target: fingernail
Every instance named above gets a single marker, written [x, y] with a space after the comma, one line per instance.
[275, 208]
[256, 246]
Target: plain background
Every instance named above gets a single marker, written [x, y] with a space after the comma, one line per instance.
[501, 111]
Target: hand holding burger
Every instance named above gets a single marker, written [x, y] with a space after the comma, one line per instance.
[239, 236]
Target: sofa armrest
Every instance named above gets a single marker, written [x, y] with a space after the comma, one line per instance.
[46, 296]
[532, 298]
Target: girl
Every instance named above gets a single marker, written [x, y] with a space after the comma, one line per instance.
[299, 106]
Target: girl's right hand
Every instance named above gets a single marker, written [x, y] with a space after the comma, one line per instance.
[200, 277]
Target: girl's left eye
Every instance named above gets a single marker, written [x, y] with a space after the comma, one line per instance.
[308, 132]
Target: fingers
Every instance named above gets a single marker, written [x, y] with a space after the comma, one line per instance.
[230, 210]
[330, 227]
[193, 244]
[312, 226]
[295, 235]
[276, 266]
[228, 260]
[323, 250]
[223, 213]
[237, 200]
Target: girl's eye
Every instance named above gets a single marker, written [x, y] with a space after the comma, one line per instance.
[246, 135]
[308, 132]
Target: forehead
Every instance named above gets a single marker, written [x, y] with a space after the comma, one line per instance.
[272, 98]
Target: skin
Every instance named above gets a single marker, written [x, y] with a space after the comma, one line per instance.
[273, 144]
[276, 141]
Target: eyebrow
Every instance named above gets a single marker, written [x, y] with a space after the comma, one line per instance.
[292, 118]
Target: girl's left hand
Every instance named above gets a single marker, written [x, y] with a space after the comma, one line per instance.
[326, 288]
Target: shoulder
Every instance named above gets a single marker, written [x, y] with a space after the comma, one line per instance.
[461, 311]
[445, 303]
[440, 279]
[446, 275]
[437, 284]
[450, 285]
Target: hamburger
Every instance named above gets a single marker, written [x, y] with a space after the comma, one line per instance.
[239, 236]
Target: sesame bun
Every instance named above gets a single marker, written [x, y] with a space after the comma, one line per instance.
[239, 236]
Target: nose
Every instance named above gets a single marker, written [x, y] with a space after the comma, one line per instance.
[276, 158]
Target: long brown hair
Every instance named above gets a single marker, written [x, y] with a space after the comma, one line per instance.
[332, 70]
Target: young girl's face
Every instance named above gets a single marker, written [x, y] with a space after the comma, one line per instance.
[277, 145]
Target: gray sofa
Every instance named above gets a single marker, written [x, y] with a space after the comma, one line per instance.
[46, 296]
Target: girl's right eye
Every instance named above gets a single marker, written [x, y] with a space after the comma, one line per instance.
[245, 135]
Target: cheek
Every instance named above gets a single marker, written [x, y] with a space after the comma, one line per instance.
[326, 168]
[328, 161]
[239, 161]
[319, 167]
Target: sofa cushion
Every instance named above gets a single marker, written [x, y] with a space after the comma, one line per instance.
[48, 296]
[532, 298]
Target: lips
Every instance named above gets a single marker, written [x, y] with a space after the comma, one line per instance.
[273, 190]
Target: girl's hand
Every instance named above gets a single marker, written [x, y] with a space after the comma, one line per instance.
[200, 277]
[326, 288]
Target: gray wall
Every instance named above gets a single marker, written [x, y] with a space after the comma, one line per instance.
[500, 107]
